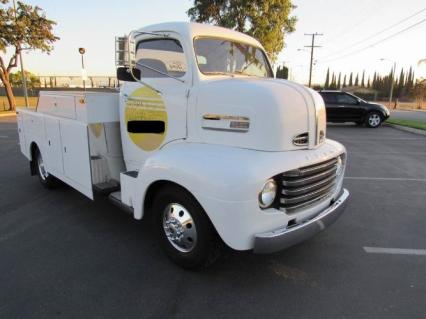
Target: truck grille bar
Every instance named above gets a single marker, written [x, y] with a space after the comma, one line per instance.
[307, 185]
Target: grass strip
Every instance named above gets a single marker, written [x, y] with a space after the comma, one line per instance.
[408, 123]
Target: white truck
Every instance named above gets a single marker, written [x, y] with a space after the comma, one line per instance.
[202, 138]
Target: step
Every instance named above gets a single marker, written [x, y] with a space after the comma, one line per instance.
[106, 188]
[133, 174]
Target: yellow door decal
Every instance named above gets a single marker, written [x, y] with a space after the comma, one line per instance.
[144, 104]
[96, 129]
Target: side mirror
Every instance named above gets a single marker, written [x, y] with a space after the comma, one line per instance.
[123, 74]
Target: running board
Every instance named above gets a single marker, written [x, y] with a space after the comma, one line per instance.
[115, 198]
[106, 188]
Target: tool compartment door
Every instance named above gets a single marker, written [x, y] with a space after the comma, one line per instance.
[76, 157]
[53, 154]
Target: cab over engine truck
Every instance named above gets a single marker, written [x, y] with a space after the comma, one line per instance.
[202, 138]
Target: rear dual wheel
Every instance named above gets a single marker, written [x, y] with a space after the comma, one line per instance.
[46, 179]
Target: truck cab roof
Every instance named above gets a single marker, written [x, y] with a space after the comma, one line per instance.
[193, 30]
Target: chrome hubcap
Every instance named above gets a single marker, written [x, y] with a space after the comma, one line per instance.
[179, 227]
[374, 120]
[43, 173]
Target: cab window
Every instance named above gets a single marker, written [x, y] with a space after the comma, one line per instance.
[164, 55]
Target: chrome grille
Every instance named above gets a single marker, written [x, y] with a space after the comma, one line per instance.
[307, 185]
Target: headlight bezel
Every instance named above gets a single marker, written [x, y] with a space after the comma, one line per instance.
[268, 194]
[339, 165]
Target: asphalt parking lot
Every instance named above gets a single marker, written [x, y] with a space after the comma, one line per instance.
[62, 255]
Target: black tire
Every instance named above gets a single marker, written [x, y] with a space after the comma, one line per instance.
[207, 246]
[373, 120]
[47, 180]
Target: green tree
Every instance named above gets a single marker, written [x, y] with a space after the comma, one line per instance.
[356, 80]
[327, 80]
[32, 80]
[339, 84]
[344, 81]
[23, 28]
[410, 80]
[333, 82]
[350, 80]
[282, 72]
[266, 20]
[363, 79]
[419, 91]
[400, 92]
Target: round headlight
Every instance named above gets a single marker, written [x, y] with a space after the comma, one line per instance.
[339, 166]
[267, 194]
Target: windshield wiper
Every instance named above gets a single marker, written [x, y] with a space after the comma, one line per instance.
[242, 73]
[218, 73]
[236, 72]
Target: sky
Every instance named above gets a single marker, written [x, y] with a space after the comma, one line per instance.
[344, 25]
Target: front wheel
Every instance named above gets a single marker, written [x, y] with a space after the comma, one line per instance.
[373, 120]
[186, 234]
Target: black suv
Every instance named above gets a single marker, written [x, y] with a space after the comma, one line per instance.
[345, 107]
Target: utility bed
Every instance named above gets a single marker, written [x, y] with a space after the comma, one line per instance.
[78, 134]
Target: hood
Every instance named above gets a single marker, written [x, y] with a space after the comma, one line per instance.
[256, 113]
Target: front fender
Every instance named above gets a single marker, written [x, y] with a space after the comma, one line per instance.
[200, 168]
[226, 180]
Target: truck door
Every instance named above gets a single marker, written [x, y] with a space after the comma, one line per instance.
[151, 119]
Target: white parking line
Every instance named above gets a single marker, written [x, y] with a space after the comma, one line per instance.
[395, 251]
[389, 153]
[385, 178]
[362, 140]
[4, 136]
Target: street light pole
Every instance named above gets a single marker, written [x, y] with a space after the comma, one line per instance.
[82, 51]
[21, 62]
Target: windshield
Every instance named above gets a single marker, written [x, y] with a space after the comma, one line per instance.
[220, 56]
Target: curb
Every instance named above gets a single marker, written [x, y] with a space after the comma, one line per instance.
[407, 129]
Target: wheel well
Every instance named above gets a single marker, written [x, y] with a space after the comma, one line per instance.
[152, 190]
[380, 113]
[33, 150]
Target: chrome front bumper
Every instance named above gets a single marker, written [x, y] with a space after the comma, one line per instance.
[282, 238]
